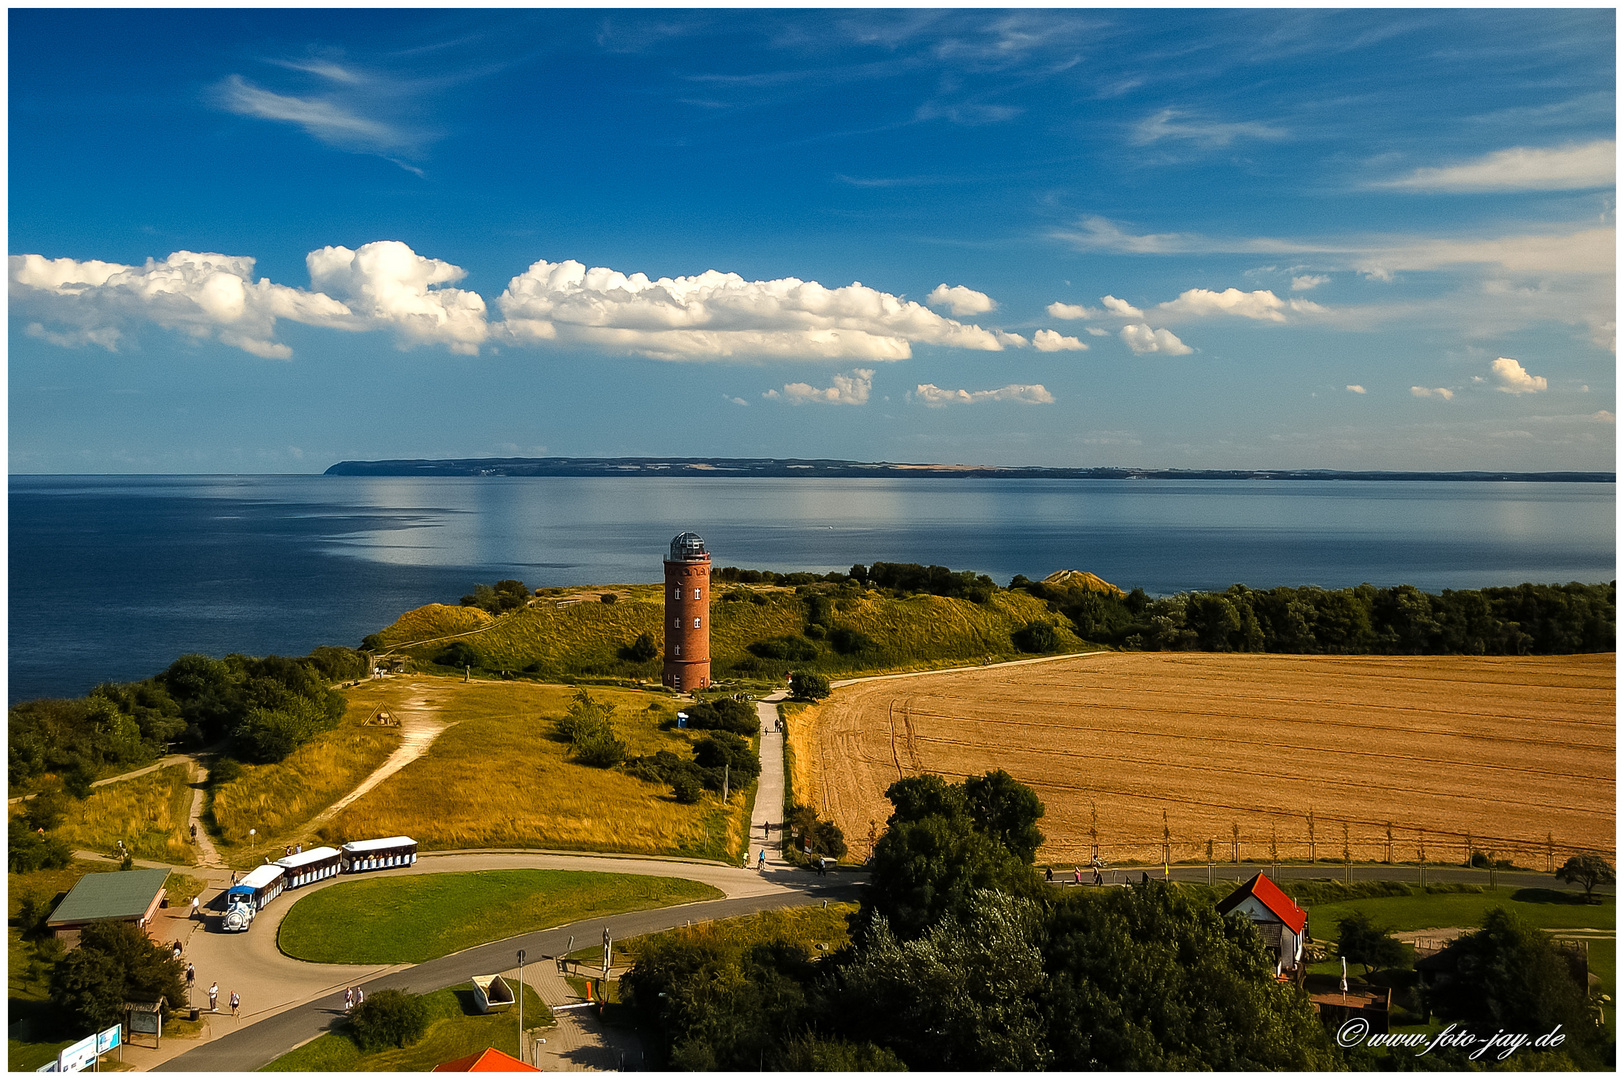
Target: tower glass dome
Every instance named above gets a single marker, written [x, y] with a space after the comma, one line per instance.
[687, 546]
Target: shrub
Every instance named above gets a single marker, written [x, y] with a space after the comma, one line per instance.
[809, 686]
[389, 1018]
[789, 647]
[642, 650]
[713, 752]
[609, 598]
[847, 641]
[1036, 637]
[28, 850]
[458, 654]
[687, 789]
[587, 728]
[724, 714]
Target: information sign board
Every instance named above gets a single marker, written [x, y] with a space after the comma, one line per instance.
[110, 1039]
[78, 1057]
[143, 1023]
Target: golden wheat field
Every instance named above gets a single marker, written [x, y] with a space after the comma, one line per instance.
[1501, 753]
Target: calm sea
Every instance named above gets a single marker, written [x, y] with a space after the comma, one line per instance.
[114, 577]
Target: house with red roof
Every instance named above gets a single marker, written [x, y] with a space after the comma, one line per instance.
[492, 1060]
[1282, 923]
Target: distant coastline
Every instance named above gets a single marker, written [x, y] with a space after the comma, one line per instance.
[823, 467]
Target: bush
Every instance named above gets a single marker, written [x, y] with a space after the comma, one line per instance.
[642, 650]
[458, 654]
[609, 598]
[389, 1018]
[724, 714]
[687, 789]
[267, 736]
[809, 686]
[1036, 637]
[847, 641]
[789, 647]
[587, 727]
[724, 749]
[28, 850]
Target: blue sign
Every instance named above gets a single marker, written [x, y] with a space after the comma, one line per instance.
[110, 1039]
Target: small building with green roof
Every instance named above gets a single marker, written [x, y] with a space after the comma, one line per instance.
[131, 896]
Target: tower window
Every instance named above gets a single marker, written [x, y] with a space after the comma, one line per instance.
[676, 624]
[676, 594]
[696, 594]
[696, 624]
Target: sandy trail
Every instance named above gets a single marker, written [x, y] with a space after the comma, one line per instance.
[420, 725]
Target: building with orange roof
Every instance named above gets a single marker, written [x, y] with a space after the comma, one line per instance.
[1282, 923]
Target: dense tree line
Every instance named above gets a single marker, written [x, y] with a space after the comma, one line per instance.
[902, 579]
[507, 595]
[961, 960]
[1402, 620]
[265, 707]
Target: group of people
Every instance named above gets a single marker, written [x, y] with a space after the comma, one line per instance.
[291, 849]
[1077, 873]
[353, 996]
[214, 994]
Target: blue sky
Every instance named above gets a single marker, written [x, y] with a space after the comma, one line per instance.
[265, 241]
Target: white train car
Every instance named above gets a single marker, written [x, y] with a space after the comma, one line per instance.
[360, 855]
[311, 866]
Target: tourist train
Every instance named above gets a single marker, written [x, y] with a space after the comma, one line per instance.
[248, 897]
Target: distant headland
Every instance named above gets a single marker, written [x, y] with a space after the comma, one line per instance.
[776, 467]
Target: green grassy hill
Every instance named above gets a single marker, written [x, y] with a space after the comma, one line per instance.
[573, 633]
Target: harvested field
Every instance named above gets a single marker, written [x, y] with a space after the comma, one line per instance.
[1506, 750]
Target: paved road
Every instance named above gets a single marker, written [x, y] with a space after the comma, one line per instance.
[768, 816]
[263, 1042]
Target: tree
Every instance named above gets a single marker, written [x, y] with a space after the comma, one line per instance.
[114, 963]
[1036, 637]
[1588, 870]
[1145, 979]
[927, 870]
[1006, 810]
[1512, 975]
[28, 850]
[808, 686]
[965, 995]
[389, 1018]
[1363, 942]
[587, 726]
[459, 654]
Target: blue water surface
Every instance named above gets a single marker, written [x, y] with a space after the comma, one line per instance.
[112, 577]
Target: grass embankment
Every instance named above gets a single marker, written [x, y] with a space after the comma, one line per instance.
[456, 1029]
[498, 777]
[34, 1035]
[577, 635]
[407, 920]
[276, 801]
[149, 813]
[820, 931]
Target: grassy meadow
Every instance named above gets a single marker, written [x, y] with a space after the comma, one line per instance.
[456, 1029]
[149, 813]
[810, 927]
[277, 801]
[576, 634]
[498, 778]
[418, 917]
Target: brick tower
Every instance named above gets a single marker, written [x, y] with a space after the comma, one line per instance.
[687, 614]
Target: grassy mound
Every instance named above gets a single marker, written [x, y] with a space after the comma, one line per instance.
[756, 631]
[435, 621]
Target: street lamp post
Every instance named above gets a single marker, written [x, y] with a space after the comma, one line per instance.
[521, 1005]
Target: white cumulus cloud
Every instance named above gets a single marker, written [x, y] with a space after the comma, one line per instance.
[1142, 339]
[961, 300]
[722, 316]
[1304, 282]
[1121, 308]
[205, 296]
[1355, 388]
[1053, 341]
[1522, 168]
[1202, 303]
[1514, 380]
[1436, 391]
[388, 285]
[852, 389]
[1057, 310]
[1028, 394]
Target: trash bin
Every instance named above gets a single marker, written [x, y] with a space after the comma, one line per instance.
[196, 1012]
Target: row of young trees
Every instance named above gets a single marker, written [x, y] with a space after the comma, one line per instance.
[1522, 619]
[960, 959]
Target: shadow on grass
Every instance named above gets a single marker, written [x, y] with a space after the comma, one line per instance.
[1554, 896]
[467, 1002]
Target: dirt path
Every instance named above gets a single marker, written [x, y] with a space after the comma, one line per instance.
[161, 763]
[420, 725]
[207, 856]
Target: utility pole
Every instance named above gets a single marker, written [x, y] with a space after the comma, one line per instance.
[521, 1005]
[726, 765]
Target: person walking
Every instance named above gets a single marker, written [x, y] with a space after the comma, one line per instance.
[214, 997]
[360, 997]
[349, 998]
[191, 975]
[235, 1002]
[1048, 874]
[195, 906]
[1077, 874]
